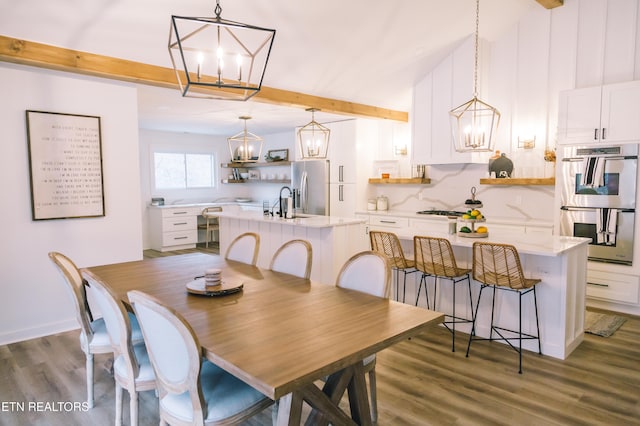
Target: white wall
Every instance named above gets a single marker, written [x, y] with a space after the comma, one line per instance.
[34, 301]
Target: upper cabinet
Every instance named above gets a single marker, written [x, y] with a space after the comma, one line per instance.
[602, 114]
[449, 85]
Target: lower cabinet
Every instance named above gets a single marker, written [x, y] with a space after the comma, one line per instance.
[173, 228]
[613, 287]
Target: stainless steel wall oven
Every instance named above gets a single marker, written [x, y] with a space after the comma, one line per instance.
[599, 198]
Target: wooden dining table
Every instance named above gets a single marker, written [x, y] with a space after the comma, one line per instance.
[281, 334]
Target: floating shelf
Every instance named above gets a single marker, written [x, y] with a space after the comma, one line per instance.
[257, 181]
[251, 165]
[519, 181]
[415, 181]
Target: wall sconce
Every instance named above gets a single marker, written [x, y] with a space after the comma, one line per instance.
[527, 142]
[400, 149]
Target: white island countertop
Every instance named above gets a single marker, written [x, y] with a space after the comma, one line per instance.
[309, 221]
[536, 244]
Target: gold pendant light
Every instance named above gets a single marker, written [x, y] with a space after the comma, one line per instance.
[245, 147]
[313, 139]
[474, 123]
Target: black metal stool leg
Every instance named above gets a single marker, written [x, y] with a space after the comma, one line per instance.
[475, 318]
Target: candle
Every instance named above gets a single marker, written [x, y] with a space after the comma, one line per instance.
[239, 62]
[219, 55]
[200, 60]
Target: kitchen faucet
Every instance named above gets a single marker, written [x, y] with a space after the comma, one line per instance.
[280, 198]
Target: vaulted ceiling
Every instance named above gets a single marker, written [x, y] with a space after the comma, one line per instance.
[370, 52]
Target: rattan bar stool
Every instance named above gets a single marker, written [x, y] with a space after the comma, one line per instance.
[434, 257]
[388, 244]
[498, 266]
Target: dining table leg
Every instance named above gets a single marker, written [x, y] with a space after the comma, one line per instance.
[289, 410]
[325, 402]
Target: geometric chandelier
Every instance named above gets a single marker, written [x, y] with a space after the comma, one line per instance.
[215, 58]
[474, 124]
[245, 147]
[313, 138]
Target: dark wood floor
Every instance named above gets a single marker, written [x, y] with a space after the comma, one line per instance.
[420, 382]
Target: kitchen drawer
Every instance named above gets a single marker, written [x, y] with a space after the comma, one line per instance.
[388, 222]
[438, 226]
[612, 286]
[181, 211]
[186, 223]
[179, 238]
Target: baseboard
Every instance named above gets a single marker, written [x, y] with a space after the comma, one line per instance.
[40, 331]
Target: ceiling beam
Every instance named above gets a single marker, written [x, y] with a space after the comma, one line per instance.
[550, 4]
[57, 58]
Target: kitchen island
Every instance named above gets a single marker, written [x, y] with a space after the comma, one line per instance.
[561, 264]
[334, 239]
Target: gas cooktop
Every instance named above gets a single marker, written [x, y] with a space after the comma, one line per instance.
[441, 212]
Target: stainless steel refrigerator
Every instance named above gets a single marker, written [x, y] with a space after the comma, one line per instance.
[310, 180]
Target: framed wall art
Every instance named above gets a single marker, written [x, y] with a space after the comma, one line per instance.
[65, 165]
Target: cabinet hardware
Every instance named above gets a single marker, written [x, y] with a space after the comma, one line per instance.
[598, 284]
[180, 238]
[604, 133]
[387, 221]
[179, 212]
[341, 193]
[595, 134]
[341, 173]
[180, 223]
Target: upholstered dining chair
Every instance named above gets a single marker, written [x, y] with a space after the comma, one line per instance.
[244, 248]
[368, 272]
[293, 257]
[211, 224]
[434, 257]
[94, 338]
[498, 266]
[192, 390]
[132, 369]
[388, 244]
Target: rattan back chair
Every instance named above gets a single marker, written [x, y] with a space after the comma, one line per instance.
[388, 244]
[498, 266]
[434, 257]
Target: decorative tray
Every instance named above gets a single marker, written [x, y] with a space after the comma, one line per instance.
[473, 234]
[226, 287]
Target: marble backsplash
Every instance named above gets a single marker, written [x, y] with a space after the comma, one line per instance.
[451, 186]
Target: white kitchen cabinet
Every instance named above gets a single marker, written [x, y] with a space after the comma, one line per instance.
[342, 198]
[449, 85]
[605, 42]
[613, 287]
[342, 152]
[598, 115]
[174, 228]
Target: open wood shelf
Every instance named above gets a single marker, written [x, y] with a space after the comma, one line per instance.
[519, 181]
[414, 181]
[251, 165]
[256, 181]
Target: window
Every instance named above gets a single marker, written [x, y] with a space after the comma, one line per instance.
[179, 170]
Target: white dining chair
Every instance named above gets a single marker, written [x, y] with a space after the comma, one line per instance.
[368, 272]
[293, 257]
[192, 390]
[244, 248]
[132, 369]
[94, 338]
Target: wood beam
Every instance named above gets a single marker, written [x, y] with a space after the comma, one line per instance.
[550, 4]
[57, 58]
